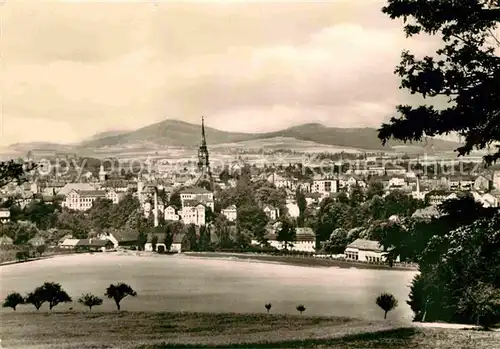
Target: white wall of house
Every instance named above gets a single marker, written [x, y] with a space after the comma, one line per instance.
[365, 255]
[230, 213]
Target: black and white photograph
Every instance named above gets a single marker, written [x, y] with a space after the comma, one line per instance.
[249, 174]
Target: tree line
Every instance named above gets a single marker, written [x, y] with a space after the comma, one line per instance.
[53, 294]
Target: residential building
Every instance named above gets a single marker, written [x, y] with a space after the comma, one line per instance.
[483, 184]
[6, 240]
[4, 215]
[305, 240]
[201, 195]
[428, 212]
[69, 243]
[397, 182]
[490, 200]
[193, 213]
[231, 213]
[82, 200]
[114, 196]
[293, 209]
[324, 186]
[365, 251]
[272, 212]
[94, 245]
[177, 243]
[119, 237]
[279, 181]
[37, 241]
[170, 213]
[69, 187]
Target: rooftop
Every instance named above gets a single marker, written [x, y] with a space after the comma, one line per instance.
[367, 245]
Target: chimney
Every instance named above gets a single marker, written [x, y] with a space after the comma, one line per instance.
[155, 209]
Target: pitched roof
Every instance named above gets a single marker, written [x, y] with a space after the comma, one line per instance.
[93, 243]
[178, 238]
[192, 203]
[426, 212]
[70, 242]
[367, 245]
[305, 234]
[91, 193]
[6, 240]
[194, 190]
[68, 187]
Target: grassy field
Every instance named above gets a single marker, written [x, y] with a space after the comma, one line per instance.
[224, 330]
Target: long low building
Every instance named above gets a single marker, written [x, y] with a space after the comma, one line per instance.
[366, 251]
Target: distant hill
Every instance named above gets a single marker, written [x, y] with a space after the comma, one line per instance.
[183, 134]
[105, 134]
[168, 132]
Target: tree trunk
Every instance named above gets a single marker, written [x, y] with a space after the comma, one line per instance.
[117, 305]
[385, 315]
[90, 307]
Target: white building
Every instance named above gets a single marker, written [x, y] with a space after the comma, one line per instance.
[397, 182]
[82, 200]
[198, 194]
[114, 196]
[490, 200]
[293, 209]
[231, 213]
[324, 186]
[279, 181]
[170, 213]
[69, 243]
[272, 212]
[193, 213]
[4, 215]
[305, 240]
[366, 251]
[69, 187]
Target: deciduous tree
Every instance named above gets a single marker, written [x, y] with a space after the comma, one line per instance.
[118, 292]
[13, 300]
[465, 71]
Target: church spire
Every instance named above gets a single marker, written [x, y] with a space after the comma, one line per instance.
[203, 139]
[203, 157]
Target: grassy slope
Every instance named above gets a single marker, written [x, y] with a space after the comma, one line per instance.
[205, 330]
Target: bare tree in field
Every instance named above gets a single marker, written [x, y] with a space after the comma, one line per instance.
[118, 292]
[387, 302]
[90, 300]
[13, 300]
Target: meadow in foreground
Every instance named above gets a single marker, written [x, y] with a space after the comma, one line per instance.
[144, 330]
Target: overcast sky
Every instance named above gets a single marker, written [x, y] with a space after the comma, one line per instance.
[73, 69]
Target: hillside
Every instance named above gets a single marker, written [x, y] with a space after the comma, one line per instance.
[179, 133]
[170, 133]
[182, 134]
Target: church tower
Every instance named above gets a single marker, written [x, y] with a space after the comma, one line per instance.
[203, 158]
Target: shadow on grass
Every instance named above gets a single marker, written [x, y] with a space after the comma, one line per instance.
[391, 339]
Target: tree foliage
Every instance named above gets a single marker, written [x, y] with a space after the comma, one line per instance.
[12, 171]
[465, 71]
[13, 300]
[118, 292]
[386, 302]
[90, 300]
[286, 233]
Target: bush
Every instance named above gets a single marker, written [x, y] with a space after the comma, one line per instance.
[90, 300]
